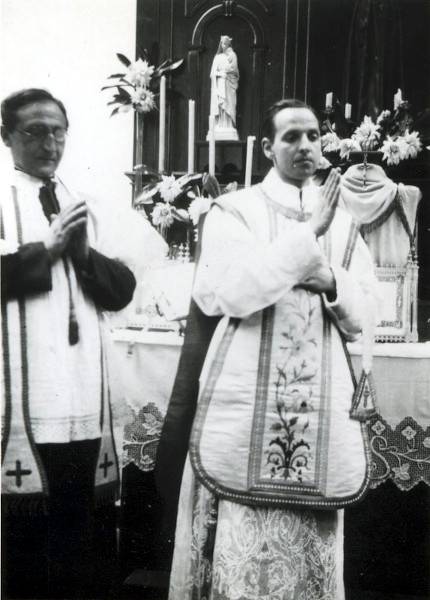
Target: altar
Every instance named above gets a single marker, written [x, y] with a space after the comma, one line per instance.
[399, 436]
[399, 433]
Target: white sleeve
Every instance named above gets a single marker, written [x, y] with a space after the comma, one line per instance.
[238, 274]
[125, 234]
[356, 292]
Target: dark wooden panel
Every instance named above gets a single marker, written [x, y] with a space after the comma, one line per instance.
[191, 29]
[302, 50]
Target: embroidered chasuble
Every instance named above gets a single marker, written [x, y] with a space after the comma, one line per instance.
[55, 382]
[275, 396]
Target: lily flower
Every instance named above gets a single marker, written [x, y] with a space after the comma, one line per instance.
[394, 150]
[169, 188]
[330, 142]
[142, 99]
[139, 73]
[413, 144]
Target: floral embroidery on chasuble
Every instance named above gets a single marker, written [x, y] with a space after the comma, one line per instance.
[273, 416]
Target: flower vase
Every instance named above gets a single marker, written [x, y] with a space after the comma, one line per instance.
[162, 230]
[138, 153]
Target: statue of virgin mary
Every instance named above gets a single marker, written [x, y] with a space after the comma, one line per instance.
[224, 83]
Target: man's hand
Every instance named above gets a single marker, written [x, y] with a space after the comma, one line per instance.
[321, 282]
[72, 219]
[324, 212]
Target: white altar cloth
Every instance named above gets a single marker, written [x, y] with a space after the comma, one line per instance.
[399, 433]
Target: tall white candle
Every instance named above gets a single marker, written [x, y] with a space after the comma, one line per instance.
[191, 126]
[162, 127]
[249, 152]
[211, 145]
[398, 99]
[348, 110]
[329, 100]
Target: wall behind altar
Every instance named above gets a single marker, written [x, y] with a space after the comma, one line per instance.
[69, 46]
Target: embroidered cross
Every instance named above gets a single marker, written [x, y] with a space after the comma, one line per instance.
[105, 465]
[18, 473]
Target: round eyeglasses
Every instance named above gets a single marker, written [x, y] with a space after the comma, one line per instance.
[39, 133]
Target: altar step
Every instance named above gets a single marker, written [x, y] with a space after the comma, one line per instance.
[143, 584]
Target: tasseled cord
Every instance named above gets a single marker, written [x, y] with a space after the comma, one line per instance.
[363, 404]
[50, 205]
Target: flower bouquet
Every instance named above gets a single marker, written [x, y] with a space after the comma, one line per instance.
[136, 87]
[390, 135]
[174, 205]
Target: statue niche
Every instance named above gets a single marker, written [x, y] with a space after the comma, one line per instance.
[224, 76]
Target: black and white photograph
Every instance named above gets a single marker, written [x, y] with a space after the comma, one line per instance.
[215, 299]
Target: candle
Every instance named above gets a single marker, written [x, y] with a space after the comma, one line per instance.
[191, 124]
[162, 129]
[348, 109]
[329, 100]
[249, 152]
[398, 99]
[211, 145]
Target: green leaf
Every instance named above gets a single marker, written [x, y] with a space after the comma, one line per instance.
[167, 66]
[175, 65]
[123, 94]
[106, 87]
[115, 110]
[124, 59]
[116, 75]
[276, 427]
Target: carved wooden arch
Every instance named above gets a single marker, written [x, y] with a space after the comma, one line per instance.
[220, 9]
[257, 48]
[191, 9]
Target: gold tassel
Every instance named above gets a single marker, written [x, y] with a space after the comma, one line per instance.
[73, 327]
[364, 398]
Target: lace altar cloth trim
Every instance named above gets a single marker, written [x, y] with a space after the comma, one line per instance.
[401, 454]
[141, 437]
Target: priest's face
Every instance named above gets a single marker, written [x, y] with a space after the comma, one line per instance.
[38, 139]
[295, 149]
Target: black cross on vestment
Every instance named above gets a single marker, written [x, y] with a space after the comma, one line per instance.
[105, 465]
[18, 473]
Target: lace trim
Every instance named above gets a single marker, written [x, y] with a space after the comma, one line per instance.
[67, 429]
[401, 454]
[238, 552]
[141, 437]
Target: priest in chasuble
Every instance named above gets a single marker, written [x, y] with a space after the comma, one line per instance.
[276, 450]
[60, 269]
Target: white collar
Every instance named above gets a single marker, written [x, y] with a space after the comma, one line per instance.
[21, 178]
[289, 195]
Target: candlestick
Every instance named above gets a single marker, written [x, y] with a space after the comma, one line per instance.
[348, 110]
[162, 129]
[329, 100]
[398, 99]
[249, 152]
[211, 145]
[191, 125]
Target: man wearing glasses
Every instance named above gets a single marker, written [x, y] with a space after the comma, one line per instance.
[58, 455]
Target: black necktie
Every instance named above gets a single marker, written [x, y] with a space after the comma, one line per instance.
[50, 206]
[48, 199]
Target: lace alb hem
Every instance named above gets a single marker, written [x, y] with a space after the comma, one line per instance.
[67, 429]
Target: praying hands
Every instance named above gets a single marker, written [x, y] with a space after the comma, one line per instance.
[324, 212]
[68, 231]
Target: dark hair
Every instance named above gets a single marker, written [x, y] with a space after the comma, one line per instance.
[268, 129]
[11, 105]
